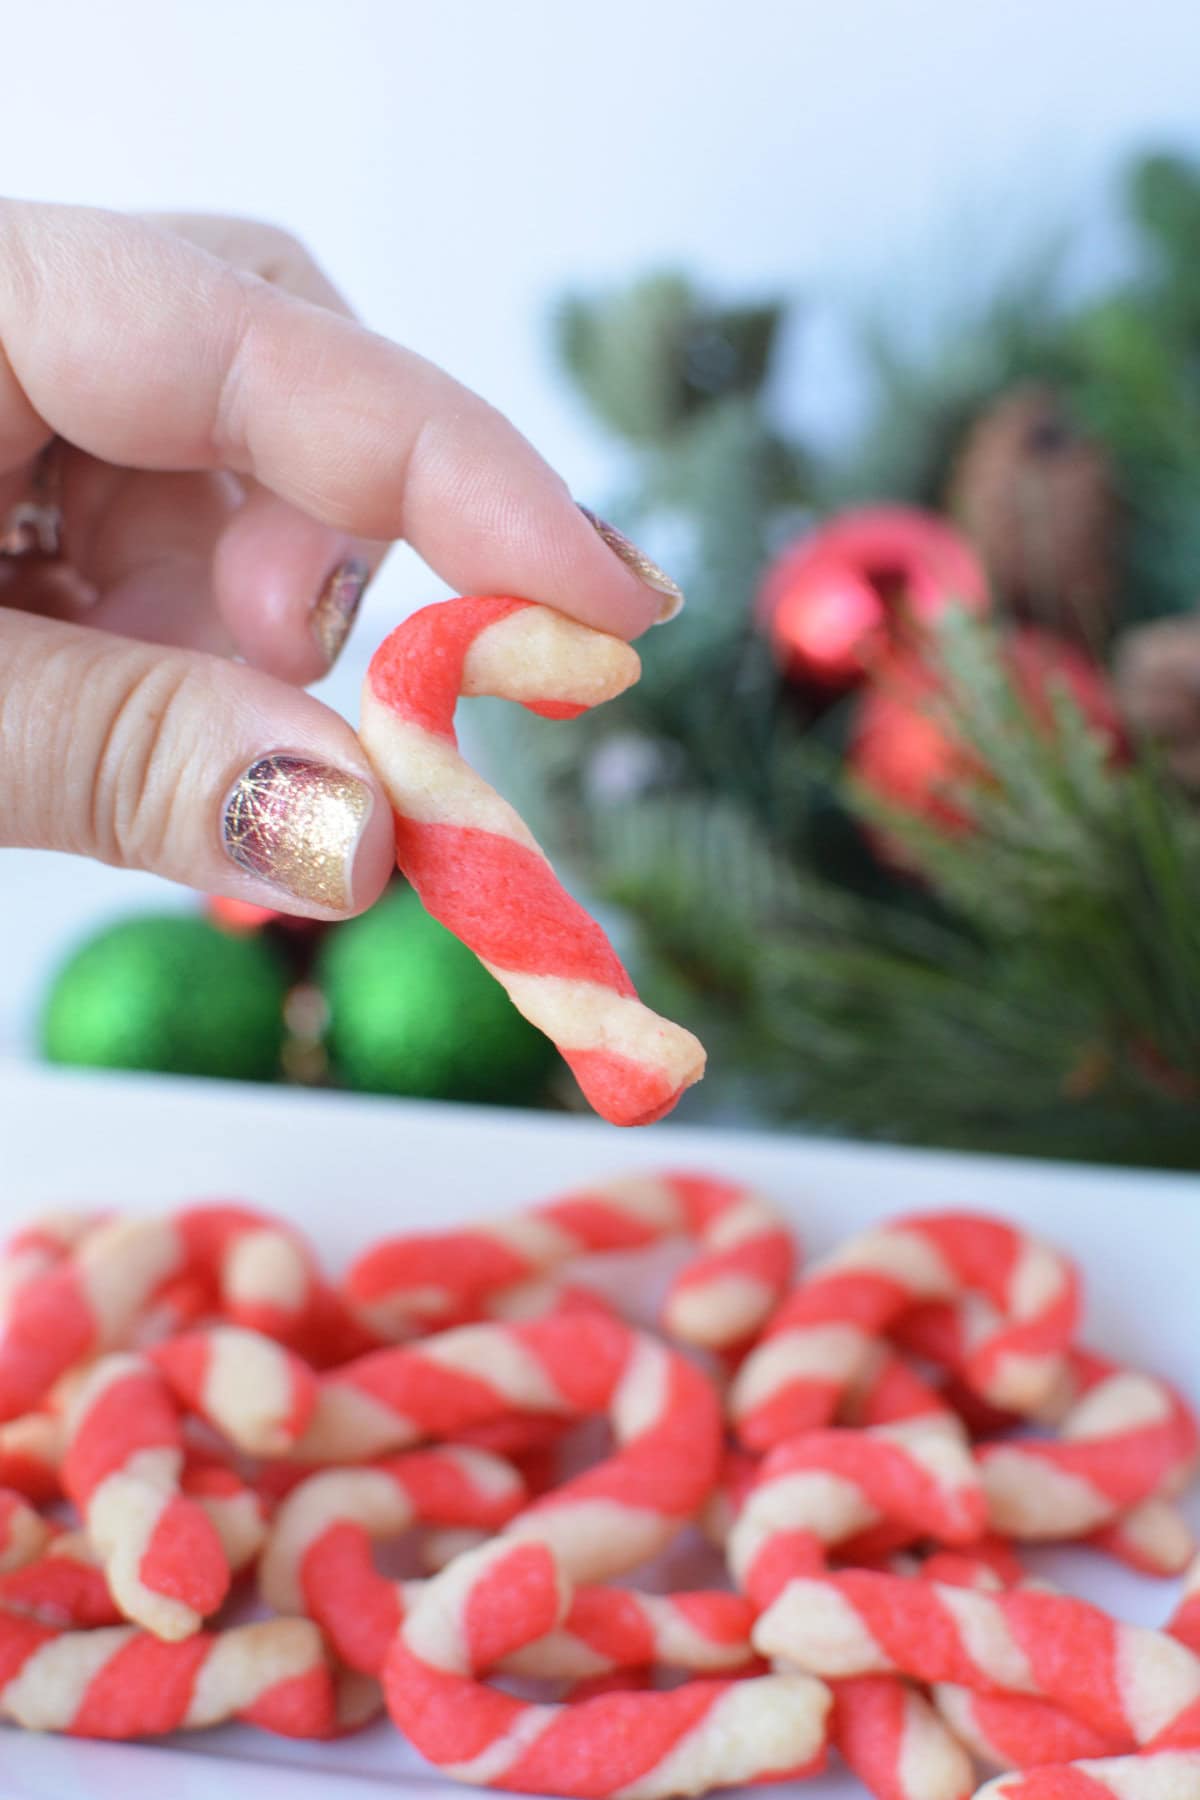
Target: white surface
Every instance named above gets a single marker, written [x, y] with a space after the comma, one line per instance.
[455, 166]
[349, 1169]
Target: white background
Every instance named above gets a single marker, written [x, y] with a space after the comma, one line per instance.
[456, 165]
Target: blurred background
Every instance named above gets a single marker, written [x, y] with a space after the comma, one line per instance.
[873, 171]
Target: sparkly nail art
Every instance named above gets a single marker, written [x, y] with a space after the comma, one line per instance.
[297, 824]
[336, 607]
[643, 566]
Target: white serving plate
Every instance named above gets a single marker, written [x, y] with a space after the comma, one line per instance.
[349, 1169]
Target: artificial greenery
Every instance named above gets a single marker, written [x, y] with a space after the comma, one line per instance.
[1036, 986]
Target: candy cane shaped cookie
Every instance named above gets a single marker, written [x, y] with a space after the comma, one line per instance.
[817, 1342]
[248, 1387]
[303, 1566]
[124, 1457]
[1016, 1731]
[95, 1299]
[475, 864]
[235, 1509]
[427, 1280]
[319, 1561]
[816, 1491]
[1125, 1441]
[36, 1249]
[1123, 1680]
[1152, 1538]
[609, 1630]
[1124, 1438]
[64, 1586]
[1167, 1775]
[490, 1604]
[664, 1414]
[123, 1683]
[1008, 1731]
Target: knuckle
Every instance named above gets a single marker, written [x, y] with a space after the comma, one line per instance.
[241, 305]
[280, 251]
[134, 790]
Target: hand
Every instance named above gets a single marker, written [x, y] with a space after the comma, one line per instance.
[231, 453]
[1158, 687]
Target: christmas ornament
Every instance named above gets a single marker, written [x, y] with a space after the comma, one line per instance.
[1039, 502]
[904, 750]
[411, 1011]
[294, 941]
[170, 993]
[243, 915]
[861, 585]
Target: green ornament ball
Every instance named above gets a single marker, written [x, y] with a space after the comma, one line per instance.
[174, 994]
[412, 1011]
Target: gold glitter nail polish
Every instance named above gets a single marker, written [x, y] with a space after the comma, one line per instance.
[297, 824]
[337, 605]
[643, 566]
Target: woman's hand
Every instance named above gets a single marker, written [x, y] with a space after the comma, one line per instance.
[231, 454]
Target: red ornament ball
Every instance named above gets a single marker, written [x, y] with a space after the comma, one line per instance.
[862, 585]
[240, 916]
[905, 752]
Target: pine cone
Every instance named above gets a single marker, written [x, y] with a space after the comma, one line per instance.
[1157, 675]
[1040, 502]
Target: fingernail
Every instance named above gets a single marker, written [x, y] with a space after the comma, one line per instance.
[643, 566]
[297, 825]
[337, 606]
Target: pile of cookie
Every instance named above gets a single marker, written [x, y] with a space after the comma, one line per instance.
[206, 1436]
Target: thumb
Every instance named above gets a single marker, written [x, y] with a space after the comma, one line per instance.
[207, 772]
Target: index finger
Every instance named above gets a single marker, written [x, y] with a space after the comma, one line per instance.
[179, 361]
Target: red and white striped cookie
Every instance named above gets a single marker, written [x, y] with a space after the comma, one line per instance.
[643, 1746]
[664, 1413]
[1152, 1538]
[474, 862]
[37, 1247]
[1008, 1731]
[63, 1587]
[894, 1741]
[124, 1457]
[1016, 1731]
[235, 1508]
[123, 1683]
[1167, 1775]
[817, 1491]
[1123, 1680]
[1097, 1403]
[608, 1630]
[817, 1343]
[1122, 1438]
[320, 1561]
[95, 1299]
[251, 1389]
[428, 1280]
[450, 1485]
